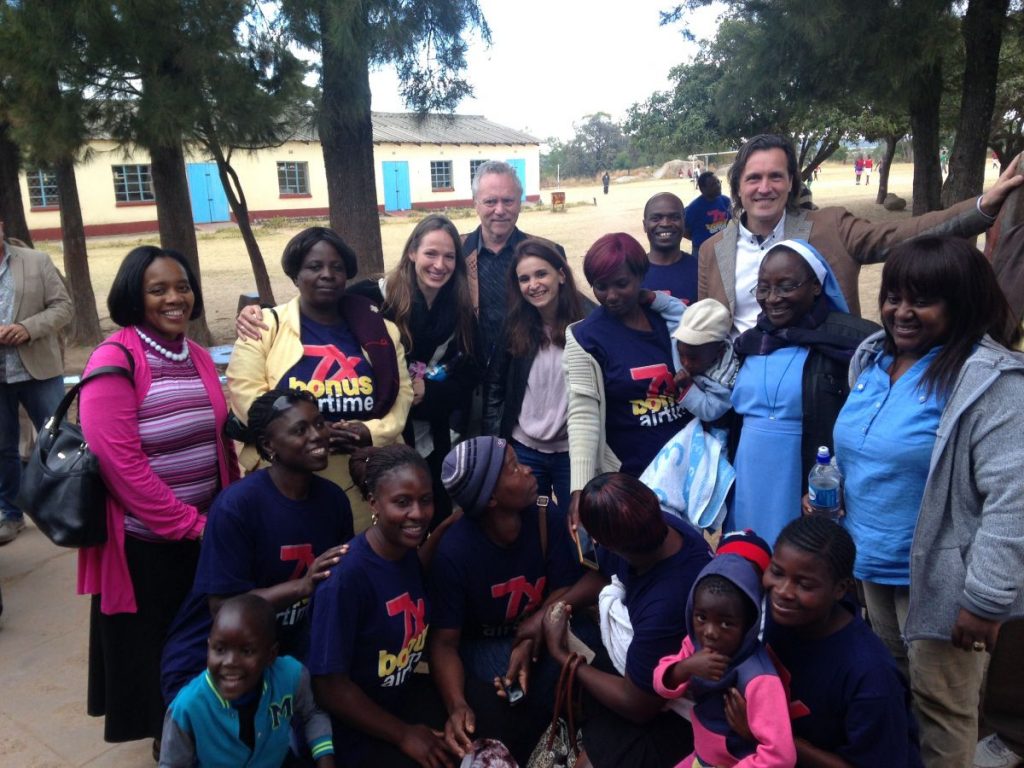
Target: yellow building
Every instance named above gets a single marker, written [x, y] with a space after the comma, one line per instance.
[422, 164]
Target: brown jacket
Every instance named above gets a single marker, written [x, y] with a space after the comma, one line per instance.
[845, 241]
[42, 305]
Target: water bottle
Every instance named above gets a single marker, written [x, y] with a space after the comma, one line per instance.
[439, 371]
[823, 485]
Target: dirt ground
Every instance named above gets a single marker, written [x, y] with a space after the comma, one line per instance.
[588, 214]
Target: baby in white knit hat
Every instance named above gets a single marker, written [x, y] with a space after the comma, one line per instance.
[708, 365]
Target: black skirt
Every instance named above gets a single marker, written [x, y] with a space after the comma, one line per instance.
[125, 648]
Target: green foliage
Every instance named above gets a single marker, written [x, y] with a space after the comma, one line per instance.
[1007, 134]
[598, 145]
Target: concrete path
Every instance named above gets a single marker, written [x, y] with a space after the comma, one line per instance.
[44, 634]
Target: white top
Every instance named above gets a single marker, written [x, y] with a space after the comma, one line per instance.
[749, 253]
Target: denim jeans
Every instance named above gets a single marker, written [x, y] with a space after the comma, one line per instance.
[551, 471]
[40, 398]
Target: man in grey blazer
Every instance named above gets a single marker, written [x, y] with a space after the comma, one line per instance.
[765, 194]
[34, 306]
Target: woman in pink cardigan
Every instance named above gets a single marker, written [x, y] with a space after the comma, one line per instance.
[158, 436]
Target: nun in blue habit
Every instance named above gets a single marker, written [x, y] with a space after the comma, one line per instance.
[791, 385]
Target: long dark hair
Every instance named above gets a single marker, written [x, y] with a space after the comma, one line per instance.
[953, 271]
[401, 285]
[524, 328]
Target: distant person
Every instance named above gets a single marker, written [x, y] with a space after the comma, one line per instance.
[858, 167]
[765, 190]
[708, 214]
[869, 165]
[34, 306]
[240, 710]
[497, 195]
[605, 181]
[944, 160]
[671, 270]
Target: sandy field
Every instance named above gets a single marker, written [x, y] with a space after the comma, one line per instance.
[588, 214]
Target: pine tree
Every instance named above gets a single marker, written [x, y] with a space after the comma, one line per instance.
[424, 39]
[43, 55]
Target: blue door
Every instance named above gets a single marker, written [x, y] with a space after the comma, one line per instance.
[209, 202]
[520, 165]
[396, 185]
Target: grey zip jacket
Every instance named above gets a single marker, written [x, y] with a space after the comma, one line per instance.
[968, 546]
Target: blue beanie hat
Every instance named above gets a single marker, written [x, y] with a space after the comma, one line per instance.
[470, 472]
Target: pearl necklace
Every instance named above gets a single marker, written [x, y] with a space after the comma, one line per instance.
[176, 357]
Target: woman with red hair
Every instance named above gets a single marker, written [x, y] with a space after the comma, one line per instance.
[623, 402]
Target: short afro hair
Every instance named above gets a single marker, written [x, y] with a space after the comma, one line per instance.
[302, 244]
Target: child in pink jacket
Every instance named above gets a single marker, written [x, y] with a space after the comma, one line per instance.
[721, 663]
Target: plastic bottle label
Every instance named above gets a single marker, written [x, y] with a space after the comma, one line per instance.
[824, 498]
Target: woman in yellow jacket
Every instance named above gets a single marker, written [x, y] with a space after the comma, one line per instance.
[336, 346]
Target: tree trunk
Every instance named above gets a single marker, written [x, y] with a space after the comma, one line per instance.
[12, 208]
[85, 322]
[346, 134]
[925, 95]
[239, 207]
[891, 142]
[174, 212]
[982, 30]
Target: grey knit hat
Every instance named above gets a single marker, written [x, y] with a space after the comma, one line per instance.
[470, 472]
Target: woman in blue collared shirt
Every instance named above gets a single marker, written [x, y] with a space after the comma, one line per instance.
[928, 442]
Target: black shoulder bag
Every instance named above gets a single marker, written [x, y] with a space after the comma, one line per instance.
[61, 488]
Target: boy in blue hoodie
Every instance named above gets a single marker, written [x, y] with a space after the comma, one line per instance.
[240, 710]
[721, 658]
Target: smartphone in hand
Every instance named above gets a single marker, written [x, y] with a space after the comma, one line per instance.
[513, 693]
[585, 548]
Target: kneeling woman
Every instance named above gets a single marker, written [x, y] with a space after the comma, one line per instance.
[850, 706]
[494, 569]
[276, 533]
[370, 619]
[657, 558]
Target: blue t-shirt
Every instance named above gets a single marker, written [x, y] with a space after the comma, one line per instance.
[884, 438]
[255, 537]
[484, 588]
[656, 600]
[333, 368]
[846, 695]
[679, 279]
[705, 218]
[369, 623]
[642, 408]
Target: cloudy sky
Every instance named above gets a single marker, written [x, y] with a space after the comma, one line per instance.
[553, 61]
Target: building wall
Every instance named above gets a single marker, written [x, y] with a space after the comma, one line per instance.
[257, 172]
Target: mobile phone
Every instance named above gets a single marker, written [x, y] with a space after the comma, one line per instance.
[585, 547]
[513, 693]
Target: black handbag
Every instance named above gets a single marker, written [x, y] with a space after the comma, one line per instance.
[61, 488]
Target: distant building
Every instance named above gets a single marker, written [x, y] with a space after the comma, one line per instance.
[419, 163]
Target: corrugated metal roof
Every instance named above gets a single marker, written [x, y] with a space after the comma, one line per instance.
[412, 128]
